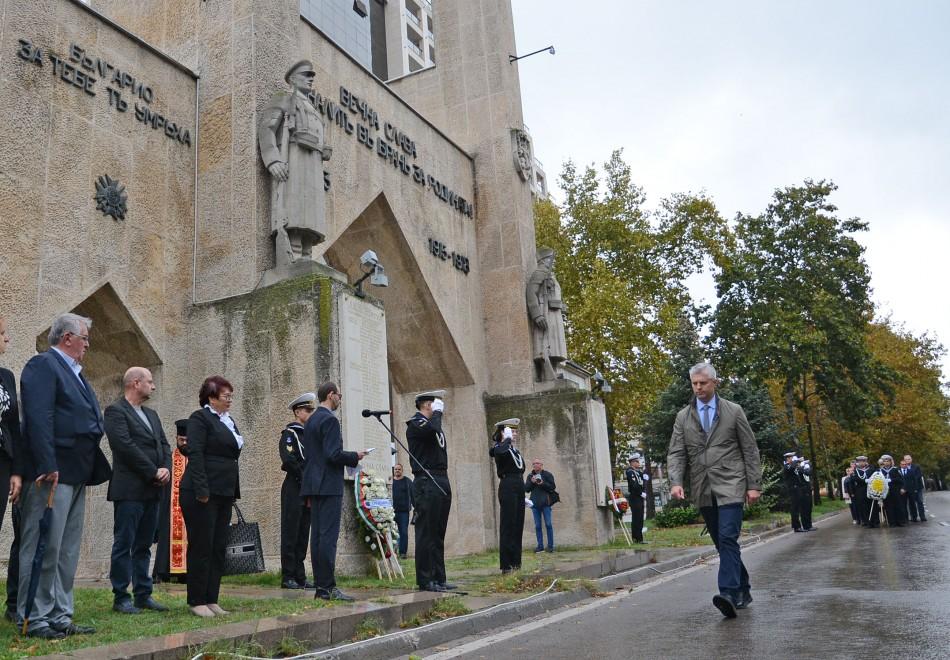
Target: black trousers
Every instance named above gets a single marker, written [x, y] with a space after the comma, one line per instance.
[294, 532]
[432, 519]
[800, 501]
[511, 520]
[915, 505]
[325, 512]
[207, 526]
[894, 509]
[13, 566]
[636, 518]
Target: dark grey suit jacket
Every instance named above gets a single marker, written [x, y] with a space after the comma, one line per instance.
[137, 452]
[325, 458]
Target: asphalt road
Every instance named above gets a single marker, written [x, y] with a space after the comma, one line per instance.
[840, 592]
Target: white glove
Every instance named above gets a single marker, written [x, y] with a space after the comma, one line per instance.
[646, 477]
[438, 405]
[643, 495]
[507, 434]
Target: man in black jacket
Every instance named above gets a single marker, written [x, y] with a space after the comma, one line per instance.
[402, 505]
[322, 485]
[142, 461]
[892, 503]
[798, 488]
[540, 484]
[294, 516]
[914, 485]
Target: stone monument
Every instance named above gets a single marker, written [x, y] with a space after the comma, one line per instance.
[546, 311]
[292, 140]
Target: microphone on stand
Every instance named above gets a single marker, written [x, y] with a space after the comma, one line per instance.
[375, 413]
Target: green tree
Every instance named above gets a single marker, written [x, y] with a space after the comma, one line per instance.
[622, 271]
[794, 306]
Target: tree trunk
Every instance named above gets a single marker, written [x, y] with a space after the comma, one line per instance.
[815, 483]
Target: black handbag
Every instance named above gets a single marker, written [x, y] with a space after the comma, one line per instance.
[243, 553]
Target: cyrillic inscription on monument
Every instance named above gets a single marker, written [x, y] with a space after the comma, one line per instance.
[364, 380]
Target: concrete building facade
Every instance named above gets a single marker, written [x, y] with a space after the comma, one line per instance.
[154, 107]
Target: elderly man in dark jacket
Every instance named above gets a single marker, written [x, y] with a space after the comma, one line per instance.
[142, 461]
[713, 438]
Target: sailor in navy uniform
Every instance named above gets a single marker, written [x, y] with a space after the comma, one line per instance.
[636, 495]
[510, 466]
[431, 493]
[892, 504]
[796, 474]
[859, 492]
[294, 515]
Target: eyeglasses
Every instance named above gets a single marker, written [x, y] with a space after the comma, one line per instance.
[226, 397]
[83, 338]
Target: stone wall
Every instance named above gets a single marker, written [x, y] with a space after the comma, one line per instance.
[61, 130]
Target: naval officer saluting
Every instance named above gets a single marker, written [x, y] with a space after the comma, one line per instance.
[510, 466]
[431, 493]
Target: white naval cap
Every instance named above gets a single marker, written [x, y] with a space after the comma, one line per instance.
[430, 396]
[511, 422]
[635, 456]
[305, 399]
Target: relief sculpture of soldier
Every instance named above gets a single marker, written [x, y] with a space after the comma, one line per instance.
[546, 309]
[291, 136]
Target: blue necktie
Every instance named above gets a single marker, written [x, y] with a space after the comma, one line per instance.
[706, 418]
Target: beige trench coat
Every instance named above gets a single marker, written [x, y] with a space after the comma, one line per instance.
[724, 464]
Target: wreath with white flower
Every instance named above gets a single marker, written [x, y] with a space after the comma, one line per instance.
[375, 509]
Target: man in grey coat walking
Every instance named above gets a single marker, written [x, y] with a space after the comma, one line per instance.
[713, 438]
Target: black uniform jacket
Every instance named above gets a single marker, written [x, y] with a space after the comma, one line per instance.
[291, 451]
[913, 480]
[427, 443]
[137, 452]
[505, 459]
[634, 485]
[325, 458]
[10, 422]
[212, 457]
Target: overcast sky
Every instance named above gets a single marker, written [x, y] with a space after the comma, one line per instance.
[737, 98]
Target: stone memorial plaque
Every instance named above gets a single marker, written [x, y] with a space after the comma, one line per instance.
[364, 381]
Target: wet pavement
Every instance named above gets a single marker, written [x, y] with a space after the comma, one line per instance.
[840, 592]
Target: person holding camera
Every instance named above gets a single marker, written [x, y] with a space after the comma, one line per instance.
[796, 473]
[510, 467]
[636, 495]
[540, 487]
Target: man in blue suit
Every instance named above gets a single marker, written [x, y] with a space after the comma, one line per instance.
[62, 428]
[322, 485]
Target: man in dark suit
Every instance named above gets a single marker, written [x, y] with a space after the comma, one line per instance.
[142, 461]
[914, 485]
[322, 485]
[62, 428]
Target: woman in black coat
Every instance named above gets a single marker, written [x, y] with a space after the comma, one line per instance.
[10, 481]
[510, 467]
[207, 492]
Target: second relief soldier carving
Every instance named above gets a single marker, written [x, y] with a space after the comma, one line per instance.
[292, 139]
[546, 312]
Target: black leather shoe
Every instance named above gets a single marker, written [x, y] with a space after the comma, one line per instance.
[812, 529]
[800, 531]
[46, 633]
[73, 629]
[125, 607]
[151, 604]
[448, 586]
[744, 599]
[725, 604]
[10, 615]
[537, 550]
[434, 586]
[290, 584]
[307, 584]
[333, 594]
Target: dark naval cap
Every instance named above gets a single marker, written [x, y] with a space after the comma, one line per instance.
[511, 423]
[305, 399]
[302, 65]
[430, 396]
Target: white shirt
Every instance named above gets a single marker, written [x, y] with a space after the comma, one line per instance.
[225, 418]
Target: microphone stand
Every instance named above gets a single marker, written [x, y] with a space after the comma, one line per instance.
[399, 442]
